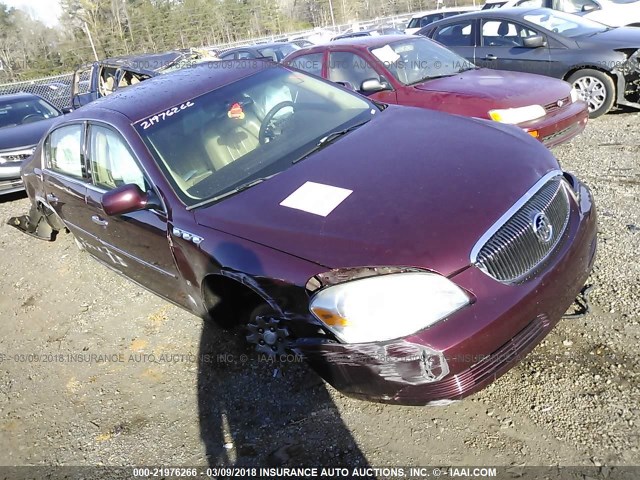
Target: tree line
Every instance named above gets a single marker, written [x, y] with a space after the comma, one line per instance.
[30, 49]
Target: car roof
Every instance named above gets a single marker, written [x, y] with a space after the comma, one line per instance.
[370, 41]
[10, 97]
[467, 8]
[512, 12]
[162, 92]
[151, 62]
[255, 46]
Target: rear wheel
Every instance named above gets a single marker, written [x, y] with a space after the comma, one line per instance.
[596, 88]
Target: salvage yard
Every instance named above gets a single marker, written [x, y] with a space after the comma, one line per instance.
[96, 370]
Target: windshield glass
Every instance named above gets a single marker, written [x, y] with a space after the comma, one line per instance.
[248, 130]
[279, 52]
[23, 111]
[564, 23]
[418, 59]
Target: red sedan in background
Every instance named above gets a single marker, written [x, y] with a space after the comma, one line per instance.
[417, 72]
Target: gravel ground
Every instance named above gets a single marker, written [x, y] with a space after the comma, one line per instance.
[148, 400]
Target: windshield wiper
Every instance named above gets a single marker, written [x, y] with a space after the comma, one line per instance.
[231, 192]
[330, 137]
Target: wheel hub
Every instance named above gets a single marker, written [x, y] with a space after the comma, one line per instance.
[269, 337]
[592, 91]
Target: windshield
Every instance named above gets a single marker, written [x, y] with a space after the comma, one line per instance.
[564, 23]
[250, 129]
[279, 52]
[23, 111]
[419, 59]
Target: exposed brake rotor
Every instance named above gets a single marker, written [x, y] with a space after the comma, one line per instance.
[268, 336]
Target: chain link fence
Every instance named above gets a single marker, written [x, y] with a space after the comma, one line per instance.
[55, 89]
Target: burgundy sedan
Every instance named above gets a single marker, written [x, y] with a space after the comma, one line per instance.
[415, 71]
[406, 264]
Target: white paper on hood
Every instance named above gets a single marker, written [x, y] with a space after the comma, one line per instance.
[316, 198]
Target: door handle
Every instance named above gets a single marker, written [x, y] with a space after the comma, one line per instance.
[490, 56]
[99, 221]
[51, 198]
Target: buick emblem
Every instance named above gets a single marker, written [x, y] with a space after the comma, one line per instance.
[542, 227]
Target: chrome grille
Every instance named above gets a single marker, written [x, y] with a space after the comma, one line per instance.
[519, 246]
[16, 158]
[553, 106]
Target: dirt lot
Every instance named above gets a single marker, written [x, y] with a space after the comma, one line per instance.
[96, 370]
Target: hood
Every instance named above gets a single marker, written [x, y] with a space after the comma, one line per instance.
[621, 37]
[425, 186]
[502, 88]
[24, 135]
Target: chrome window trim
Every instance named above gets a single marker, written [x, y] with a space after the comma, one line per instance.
[473, 257]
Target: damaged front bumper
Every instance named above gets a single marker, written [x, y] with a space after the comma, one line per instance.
[628, 81]
[474, 346]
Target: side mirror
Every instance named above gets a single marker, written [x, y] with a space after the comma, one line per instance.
[373, 85]
[125, 199]
[66, 110]
[589, 8]
[535, 41]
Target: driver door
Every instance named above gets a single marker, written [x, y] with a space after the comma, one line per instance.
[502, 47]
[137, 243]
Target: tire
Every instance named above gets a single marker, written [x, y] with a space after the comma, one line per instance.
[596, 88]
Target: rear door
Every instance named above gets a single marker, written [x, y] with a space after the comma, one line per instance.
[138, 242]
[65, 178]
[502, 47]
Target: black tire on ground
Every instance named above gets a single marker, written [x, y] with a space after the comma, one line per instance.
[596, 88]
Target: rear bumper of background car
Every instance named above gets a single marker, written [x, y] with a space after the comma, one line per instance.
[10, 180]
[478, 343]
[559, 126]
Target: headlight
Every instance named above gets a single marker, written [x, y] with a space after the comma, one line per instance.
[385, 307]
[517, 115]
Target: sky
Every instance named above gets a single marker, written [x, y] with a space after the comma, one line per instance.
[47, 11]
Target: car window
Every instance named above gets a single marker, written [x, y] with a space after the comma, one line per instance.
[429, 19]
[64, 150]
[244, 55]
[456, 34]
[311, 63]
[576, 6]
[112, 164]
[278, 53]
[107, 82]
[250, 129]
[566, 24]
[500, 33]
[347, 67]
[531, 3]
[228, 56]
[22, 111]
[416, 59]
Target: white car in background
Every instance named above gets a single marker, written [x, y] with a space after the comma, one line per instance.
[614, 13]
[422, 19]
